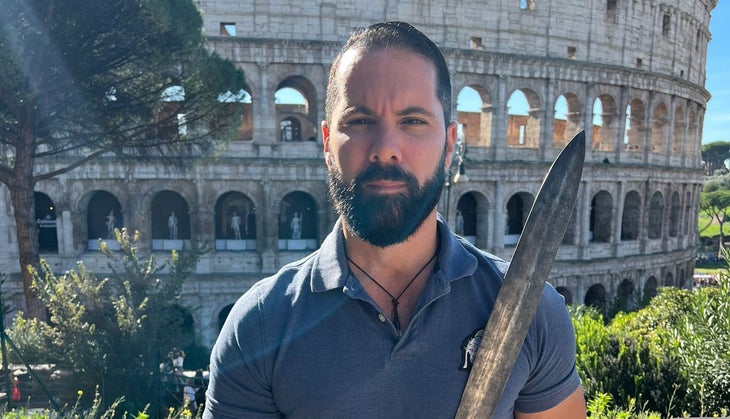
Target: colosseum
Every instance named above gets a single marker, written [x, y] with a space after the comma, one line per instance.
[527, 75]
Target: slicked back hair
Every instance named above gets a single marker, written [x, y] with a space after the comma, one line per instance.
[397, 36]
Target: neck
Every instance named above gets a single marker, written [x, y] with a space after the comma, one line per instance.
[393, 262]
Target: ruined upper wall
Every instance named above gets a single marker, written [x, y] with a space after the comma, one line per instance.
[667, 37]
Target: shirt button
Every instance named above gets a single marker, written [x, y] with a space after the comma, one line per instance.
[381, 316]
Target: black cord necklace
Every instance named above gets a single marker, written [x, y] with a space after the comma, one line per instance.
[394, 299]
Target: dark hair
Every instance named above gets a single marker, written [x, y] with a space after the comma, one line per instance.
[396, 35]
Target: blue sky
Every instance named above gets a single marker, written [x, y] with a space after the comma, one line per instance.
[717, 116]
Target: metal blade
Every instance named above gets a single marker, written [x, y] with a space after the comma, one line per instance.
[523, 284]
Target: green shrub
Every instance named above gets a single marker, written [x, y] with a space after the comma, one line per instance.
[112, 332]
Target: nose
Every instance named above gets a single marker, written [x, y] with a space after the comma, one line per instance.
[386, 145]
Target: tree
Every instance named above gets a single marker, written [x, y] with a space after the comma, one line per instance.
[113, 332]
[80, 81]
[714, 155]
[716, 205]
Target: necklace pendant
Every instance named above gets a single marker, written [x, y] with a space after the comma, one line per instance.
[396, 321]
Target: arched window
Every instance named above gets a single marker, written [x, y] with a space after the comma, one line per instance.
[523, 120]
[298, 222]
[659, 129]
[243, 100]
[567, 295]
[656, 215]
[235, 222]
[45, 216]
[600, 218]
[650, 289]
[635, 129]
[223, 315]
[596, 297]
[674, 215]
[170, 221]
[678, 134]
[171, 119]
[625, 296]
[604, 123]
[631, 217]
[567, 121]
[474, 109]
[518, 207]
[103, 215]
[466, 217]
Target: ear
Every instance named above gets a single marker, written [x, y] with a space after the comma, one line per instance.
[326, 143]
[451, 133]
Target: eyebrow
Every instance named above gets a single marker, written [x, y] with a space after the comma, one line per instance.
[411, 110]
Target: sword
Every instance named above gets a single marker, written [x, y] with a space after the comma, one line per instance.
[523, 283]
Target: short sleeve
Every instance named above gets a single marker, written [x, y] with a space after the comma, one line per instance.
[240, 382]
[553, 376]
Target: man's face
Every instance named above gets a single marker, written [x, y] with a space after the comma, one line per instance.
[387, 146]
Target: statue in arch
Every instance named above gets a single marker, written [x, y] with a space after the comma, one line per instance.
[110, 224]
[236, 225]
[296, 226]
[172, 225]
[459, 223]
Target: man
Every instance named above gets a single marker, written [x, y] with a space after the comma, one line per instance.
[383, 320]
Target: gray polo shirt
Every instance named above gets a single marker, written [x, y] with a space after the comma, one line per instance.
[309, 342]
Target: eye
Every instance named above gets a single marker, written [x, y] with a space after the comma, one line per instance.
[358, 122]
[414, 121]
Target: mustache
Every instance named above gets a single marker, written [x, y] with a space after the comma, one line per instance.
[377, 172]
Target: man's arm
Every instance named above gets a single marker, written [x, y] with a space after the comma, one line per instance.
[573, 407]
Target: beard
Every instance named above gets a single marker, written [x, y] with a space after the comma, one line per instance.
[384, 220]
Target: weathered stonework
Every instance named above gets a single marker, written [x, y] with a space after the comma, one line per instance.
[641, 185]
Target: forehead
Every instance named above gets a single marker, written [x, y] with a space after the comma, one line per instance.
[395, 70]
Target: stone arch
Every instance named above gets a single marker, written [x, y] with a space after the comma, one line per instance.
[296, 99]
[691, 141]
[242, 102]
[625, 295]
[631, 217]
[103, 215]
[474, 115]
[235, 222]
[170, 120]
[678, 130]
[650, 288]
[567, 120]
[596, 297]
[45, 216]
[656, 216]
[674, 208]
[523, 119]
[569, 236]
[223, 315]
[474, 207]
[605, 123]
[518, 207]
[170, 219]
[669, 279]
[687, 211]
[660, 123]
[600, 217]
[298, 221]
[567, 295]
[635, 126]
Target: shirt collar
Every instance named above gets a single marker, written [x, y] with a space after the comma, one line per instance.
[330, 270]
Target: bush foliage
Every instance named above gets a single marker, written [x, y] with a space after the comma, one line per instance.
[670, 357]
[111, 332]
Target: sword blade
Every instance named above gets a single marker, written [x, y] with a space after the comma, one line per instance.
[523, 283]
